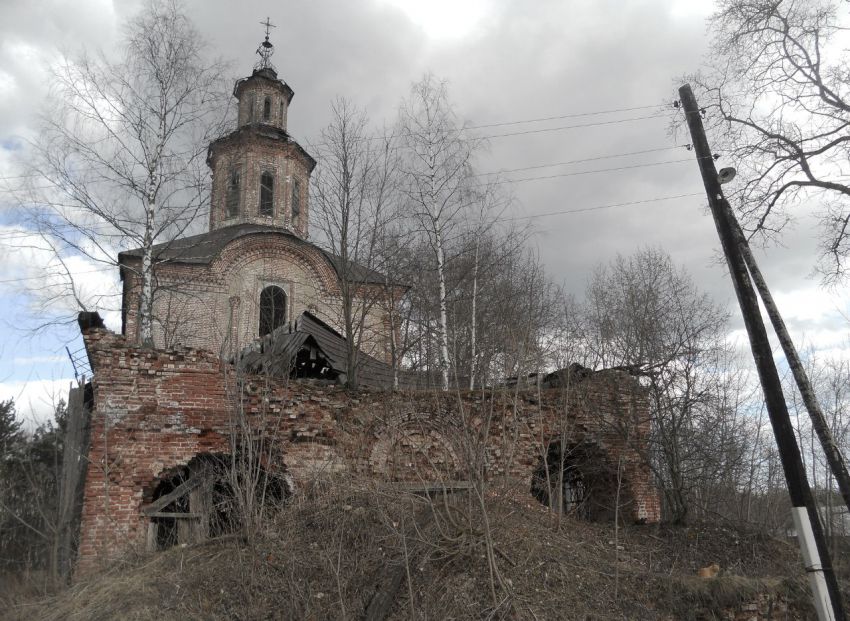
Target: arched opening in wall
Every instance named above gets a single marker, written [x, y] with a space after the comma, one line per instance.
[252, 100]
[272, 309]
[266, 194]
[267, 108]
[581, 480]
[415, 453]
[207, 498]
[233, 184]
[295, 202]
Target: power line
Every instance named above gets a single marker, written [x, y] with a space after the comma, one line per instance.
[599, 207]
[100, 226]
[486, 137]
[517, 133]
[551, 165]
[501, 219]
[579, 161]
[566, 116]
[580, 125]
[584, 172]
[104, 228]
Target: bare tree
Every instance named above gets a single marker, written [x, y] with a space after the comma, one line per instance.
[353, 191]
[120, 161]
[436, 166]
[777, 98]
[647, 316]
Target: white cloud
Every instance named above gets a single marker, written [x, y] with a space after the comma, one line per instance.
[29, 265]
[810, 303]
[443, 19]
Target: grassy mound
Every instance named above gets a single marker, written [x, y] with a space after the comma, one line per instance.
[341, 551]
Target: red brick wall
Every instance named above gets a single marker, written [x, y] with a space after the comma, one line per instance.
[155, 410]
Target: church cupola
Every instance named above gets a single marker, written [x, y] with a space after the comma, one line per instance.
[263, 98]
[260, 174]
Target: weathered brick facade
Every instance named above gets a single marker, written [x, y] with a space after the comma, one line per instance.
[155, 410]
[260, 145]
[215, 305]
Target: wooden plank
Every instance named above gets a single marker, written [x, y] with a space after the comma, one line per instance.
[74, 465]
[184, 531]
[427, 487]
[176, 516]
[151, 536]
[179, 491]
[198, 505]
[393, 574]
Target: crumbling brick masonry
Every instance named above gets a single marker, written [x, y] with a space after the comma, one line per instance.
[157, 410]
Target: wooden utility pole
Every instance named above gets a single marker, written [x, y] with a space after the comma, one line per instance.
[830, 449]
[827, 597]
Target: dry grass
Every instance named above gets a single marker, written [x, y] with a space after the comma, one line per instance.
[325, 554]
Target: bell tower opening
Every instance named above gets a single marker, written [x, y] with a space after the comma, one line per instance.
[260, 174]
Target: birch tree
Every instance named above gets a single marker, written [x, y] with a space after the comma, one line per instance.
[353, 188]
[436, 163]
[120, 161]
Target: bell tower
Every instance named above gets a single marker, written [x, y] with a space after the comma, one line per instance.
[260, 175]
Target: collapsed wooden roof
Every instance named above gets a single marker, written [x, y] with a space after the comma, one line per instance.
[308, 347]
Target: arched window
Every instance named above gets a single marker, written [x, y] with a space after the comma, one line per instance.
[233, 194]
[267, 109]
[251, 102]
[266, 194]
[272, 309]
[296, 201]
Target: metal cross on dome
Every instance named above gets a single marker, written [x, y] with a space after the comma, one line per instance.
[266, 49]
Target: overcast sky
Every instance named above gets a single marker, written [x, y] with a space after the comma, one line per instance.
[506, 62]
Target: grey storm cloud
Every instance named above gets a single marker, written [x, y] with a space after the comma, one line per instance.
[519, 60]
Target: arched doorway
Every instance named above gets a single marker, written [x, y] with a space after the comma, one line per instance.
[581, 480]
[206, 498]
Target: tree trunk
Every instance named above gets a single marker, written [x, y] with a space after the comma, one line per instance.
[444, 330]
[146, 297]
[472, 335]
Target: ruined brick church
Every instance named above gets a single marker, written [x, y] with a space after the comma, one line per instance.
[149, 432]
[254, 270]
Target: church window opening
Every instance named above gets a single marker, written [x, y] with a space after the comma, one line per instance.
[233, 194]
[266, 194]
[272, 309]
[251, 101]
[267, 109]
[296, 201]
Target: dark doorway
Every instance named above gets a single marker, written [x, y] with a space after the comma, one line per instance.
[579, 480]
[201, 502]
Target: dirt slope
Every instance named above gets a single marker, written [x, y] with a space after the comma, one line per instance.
[326, 556]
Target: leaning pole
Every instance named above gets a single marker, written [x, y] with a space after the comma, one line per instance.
[827, 597]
